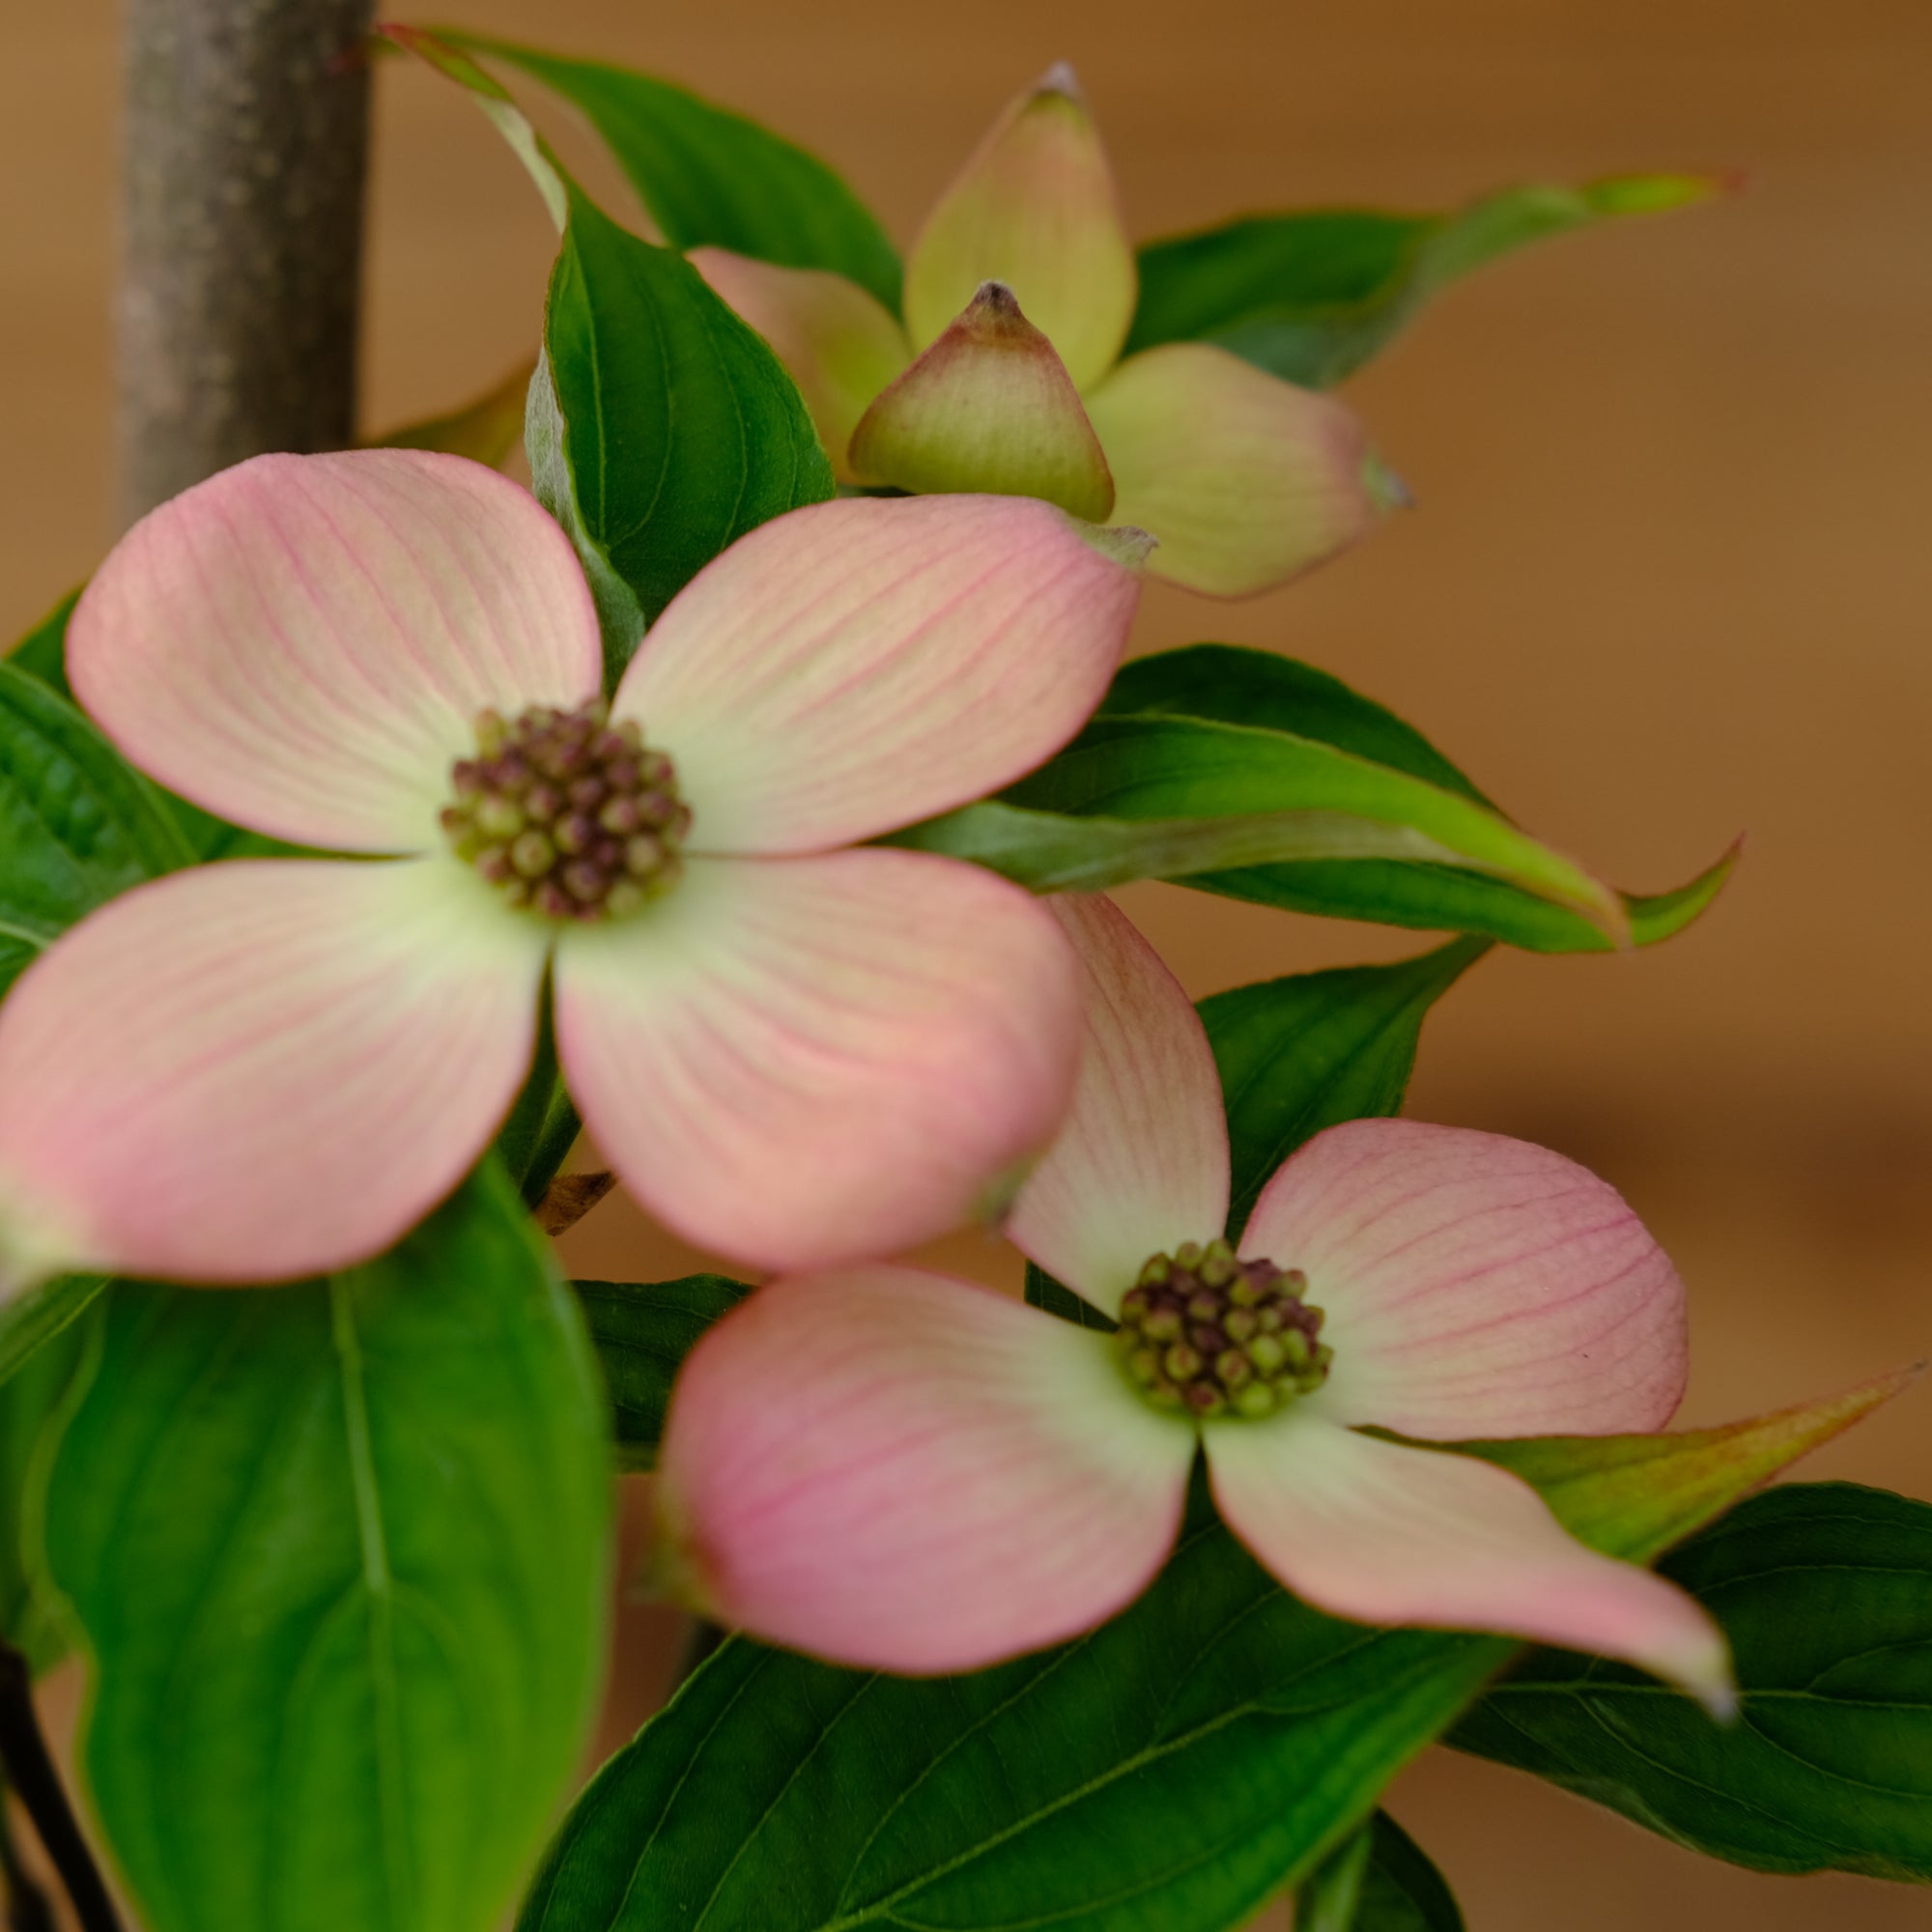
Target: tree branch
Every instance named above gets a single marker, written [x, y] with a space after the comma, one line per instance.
[244, 155]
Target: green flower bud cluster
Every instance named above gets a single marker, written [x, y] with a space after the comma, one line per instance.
[568, 814]
[1216, 1336]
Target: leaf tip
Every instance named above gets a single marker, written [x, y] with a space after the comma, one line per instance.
[1060, 79]
[1664, 194]
[1607, 911]
[1386, 491]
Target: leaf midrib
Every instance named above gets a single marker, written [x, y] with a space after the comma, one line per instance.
[378, 1579]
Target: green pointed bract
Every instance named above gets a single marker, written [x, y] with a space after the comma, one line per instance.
[1033, 207]
[989, 409]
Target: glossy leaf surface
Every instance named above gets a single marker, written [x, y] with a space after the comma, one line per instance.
[42, 652]
[1380, 1881]
[1313, 295]
[30, 1405]
[712, 178]
[339, 1553]
[1826, 1592]
[1165, 767]
[78, 824]
[31, 1320]
[1056, 852]
[641, 1332]
[1172, 1768]
[676, 430]
[1140, 759]
[1299, 1054]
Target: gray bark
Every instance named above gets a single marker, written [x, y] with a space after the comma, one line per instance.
[246, 150]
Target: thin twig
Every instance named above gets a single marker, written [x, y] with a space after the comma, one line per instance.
[27, 1906]
[30, 1772]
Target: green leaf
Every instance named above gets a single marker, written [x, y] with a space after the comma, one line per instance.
[621, 617]
[643, 1331]
[712, 178]
[78, 824]
[339, 1554]
[1172, 1768]
[29, 1321]
[676, 429]
[1234, 685]
[1311, 296]
[659, 427]
[1130, 765]
[1380, 1881]
[43, 655]
[1826, 1592]
[30, 1403]
[42, 652]
[1300, 1054]
[542, 1125]
[1049, 852]
[1154, 768]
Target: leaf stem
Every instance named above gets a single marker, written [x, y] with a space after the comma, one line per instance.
[30, 1771]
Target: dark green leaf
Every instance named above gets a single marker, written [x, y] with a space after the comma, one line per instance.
[78, 824]
[1311, 296]
[1380, 1881]
[1256, 692]
[1172, 1768]
[42, 652]
[659, 427]
[543, 1126]
[1826, 1593]
[339, 1551]
[675, 429]
[1234, 685]
[29, 1405]
[1325, 1900]
[1057, 1298]
[1148, 767]
[1300, 1054]
[643, 1331]
[620, 616]
[711, 178]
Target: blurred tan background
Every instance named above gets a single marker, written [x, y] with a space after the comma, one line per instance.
[1671, 578]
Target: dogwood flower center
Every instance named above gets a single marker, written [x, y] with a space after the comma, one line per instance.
[568, 815]
[1203, 1331]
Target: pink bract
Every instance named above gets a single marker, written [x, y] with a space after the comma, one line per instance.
[265, 1068]
[899, 1470]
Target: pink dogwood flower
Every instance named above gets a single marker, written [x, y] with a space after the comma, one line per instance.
[1006, 373]
[903, 1471]
[794, 1049]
